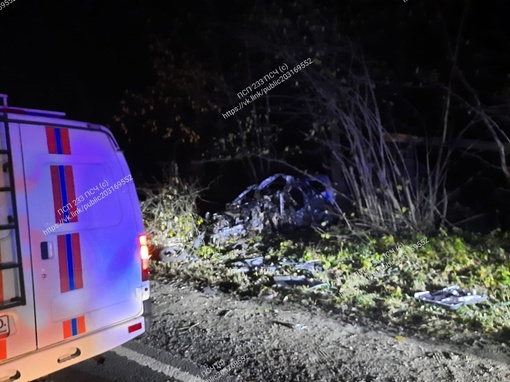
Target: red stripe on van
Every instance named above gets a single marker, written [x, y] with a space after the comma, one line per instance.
[57, 198]
[70, 262]
[81, 325]
[71, 194]
[62, 264]
[51, 139]
[71, 213]
[78, 274]
[3, 348]
[68, 331]
[64, 138]
[56, 135]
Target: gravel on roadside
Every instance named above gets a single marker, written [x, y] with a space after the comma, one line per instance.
[267, 340]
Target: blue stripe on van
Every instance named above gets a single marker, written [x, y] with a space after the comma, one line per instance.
[74, 326]
[70, 264]
[63, 191]
[59, 141]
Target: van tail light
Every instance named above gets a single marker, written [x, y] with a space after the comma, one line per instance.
[144, 256]
[135, 327]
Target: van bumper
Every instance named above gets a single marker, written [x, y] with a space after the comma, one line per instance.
[39, 363]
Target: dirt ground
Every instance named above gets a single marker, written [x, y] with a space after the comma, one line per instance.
[259, 340]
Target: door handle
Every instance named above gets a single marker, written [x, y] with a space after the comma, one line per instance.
[76, 352]
[46, 250]
[13, 377]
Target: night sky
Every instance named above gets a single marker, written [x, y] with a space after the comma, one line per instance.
[77, 57]
[82, 56]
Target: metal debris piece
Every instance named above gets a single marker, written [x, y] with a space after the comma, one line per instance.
[451, 297]
[312, 265]
[199, 240]
[222, 235]
[255, 262]
[289, 281]
[268, 294]
[279, 203]
[324, 286]
[247, 265]
[286, 324]
[294, 281]
[188, 328]
[208, 291]
[291, 326]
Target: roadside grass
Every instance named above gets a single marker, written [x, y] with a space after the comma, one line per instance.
[376, 279]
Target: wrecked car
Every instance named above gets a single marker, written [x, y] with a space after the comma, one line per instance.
[279, 203]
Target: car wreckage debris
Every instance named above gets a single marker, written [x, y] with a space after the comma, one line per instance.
[253, 264]
[247, 265]
[451, 297]
[279, 203]
[296, 281]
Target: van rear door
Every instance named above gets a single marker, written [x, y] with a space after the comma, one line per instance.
[17, 319]
[83, 231]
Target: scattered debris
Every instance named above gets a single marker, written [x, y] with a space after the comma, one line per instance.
[188, 328]
[208, 291]
[289, 281]
[268, 293]
[285, 281]
[256, 262]
[291, 326]
[253, 264]
[451, 297]
[293, 281]
[224, 312]
[249, 265]
[311, 266]
[323, 286]
[279, 203]
[286, 324]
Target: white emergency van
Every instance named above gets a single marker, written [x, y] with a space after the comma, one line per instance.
[74, 271]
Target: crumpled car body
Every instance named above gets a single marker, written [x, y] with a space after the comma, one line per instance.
[279, 203]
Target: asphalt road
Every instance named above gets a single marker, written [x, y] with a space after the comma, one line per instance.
[131, 362]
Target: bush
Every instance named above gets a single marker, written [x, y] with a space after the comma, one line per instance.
[169, 211]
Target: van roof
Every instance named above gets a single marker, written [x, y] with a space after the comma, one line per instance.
[19, 114]
[5, 108]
